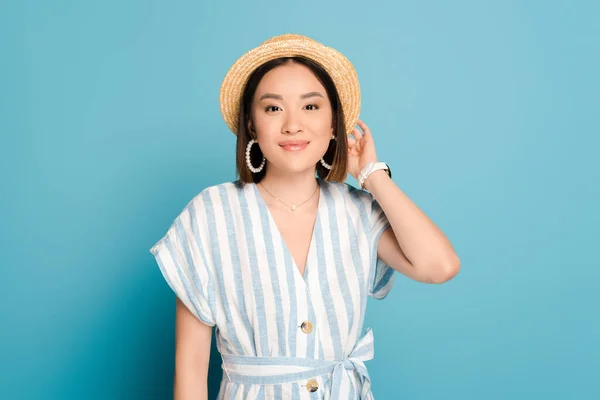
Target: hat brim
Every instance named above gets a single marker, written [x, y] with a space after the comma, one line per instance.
[340, 69]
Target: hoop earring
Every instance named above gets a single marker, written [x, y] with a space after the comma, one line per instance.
[323, 163]
[249, 163]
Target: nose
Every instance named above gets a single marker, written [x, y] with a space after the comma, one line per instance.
[292, 123]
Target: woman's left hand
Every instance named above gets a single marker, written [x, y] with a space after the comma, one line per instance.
[361, 149]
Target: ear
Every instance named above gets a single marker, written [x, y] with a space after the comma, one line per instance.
[250, 126]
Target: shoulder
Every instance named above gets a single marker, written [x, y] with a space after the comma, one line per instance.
[195, 216]
[203, 204]
[349, 192]
[210, 194]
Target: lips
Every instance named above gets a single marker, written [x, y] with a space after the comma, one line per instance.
[294, 145]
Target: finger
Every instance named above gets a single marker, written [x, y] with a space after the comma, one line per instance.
[357, 134]
[352, 134]
[353, 146]
[367, 137]
[358, 139]
[364, 127]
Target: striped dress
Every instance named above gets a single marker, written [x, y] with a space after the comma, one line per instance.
[281, 334]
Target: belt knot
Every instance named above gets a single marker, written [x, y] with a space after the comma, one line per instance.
[348, 364]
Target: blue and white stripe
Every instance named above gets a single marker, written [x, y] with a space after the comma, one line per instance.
[226, 260]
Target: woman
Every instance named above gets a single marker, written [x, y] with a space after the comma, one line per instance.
[281, 261]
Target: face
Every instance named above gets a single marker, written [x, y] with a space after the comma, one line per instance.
[291, 118]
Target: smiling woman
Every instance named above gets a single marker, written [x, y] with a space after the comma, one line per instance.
[283, 259]
[263, 98]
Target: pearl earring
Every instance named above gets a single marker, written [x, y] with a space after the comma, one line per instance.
[249, 163]
[323, 161]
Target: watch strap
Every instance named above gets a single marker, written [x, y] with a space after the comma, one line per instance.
[369, 169]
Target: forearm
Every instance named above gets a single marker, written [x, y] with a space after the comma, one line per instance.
[192, 355]
[425, 246]
[190, 380]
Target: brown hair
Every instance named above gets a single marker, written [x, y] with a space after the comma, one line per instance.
[337, 152]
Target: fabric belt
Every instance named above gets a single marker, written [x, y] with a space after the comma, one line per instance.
[278, 370]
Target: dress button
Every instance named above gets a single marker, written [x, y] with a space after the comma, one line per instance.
[306, 327]
[312, 385]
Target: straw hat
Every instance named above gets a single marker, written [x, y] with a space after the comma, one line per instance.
[289, 45]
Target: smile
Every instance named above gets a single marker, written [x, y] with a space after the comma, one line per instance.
[294, 145]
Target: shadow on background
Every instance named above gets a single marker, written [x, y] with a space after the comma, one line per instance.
[133, 332]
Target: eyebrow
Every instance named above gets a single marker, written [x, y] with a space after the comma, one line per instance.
[279, 97]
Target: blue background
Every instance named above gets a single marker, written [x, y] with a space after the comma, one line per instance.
[486, 111]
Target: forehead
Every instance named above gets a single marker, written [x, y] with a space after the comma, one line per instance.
[290, 79]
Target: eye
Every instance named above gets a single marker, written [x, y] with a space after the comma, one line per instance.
[313, 107]
[271, 108]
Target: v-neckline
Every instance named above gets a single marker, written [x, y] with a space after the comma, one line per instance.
[286, 249]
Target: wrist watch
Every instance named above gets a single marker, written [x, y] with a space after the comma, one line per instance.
[369, 169]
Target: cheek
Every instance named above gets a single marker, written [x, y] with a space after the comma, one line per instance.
[264, 128]
[266, 131]
[269, 124]
[325, 118]
[267, 134]
[323, 126]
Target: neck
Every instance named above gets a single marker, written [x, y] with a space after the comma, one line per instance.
[292, 188]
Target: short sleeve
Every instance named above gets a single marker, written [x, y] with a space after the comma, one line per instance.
[381, 274]
[184, 264]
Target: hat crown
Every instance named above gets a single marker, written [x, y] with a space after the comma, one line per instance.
[286, 37]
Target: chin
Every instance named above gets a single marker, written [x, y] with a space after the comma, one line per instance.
[294, 166]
